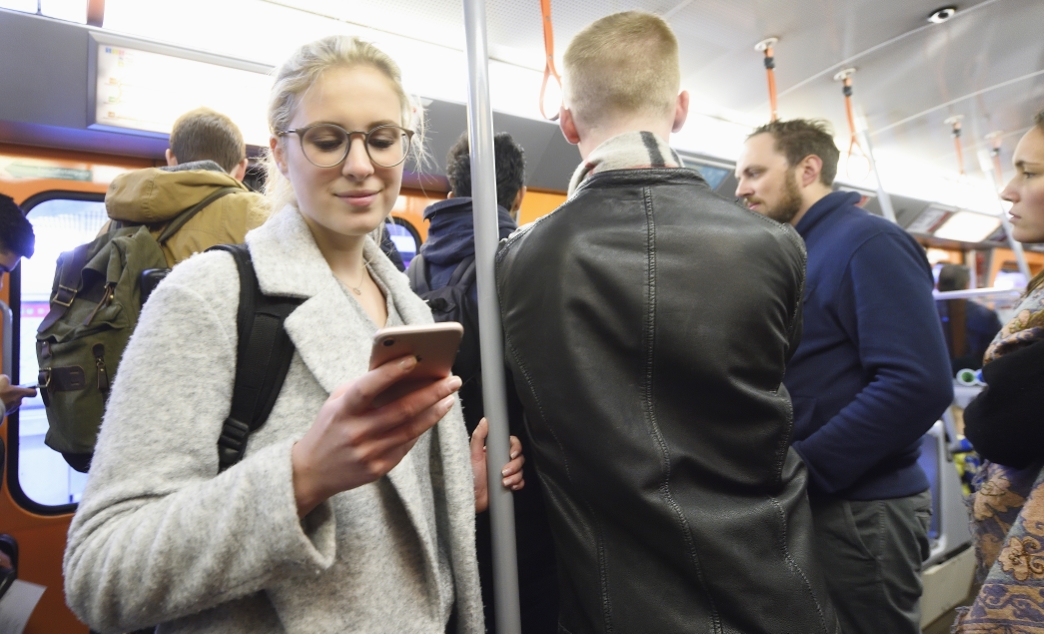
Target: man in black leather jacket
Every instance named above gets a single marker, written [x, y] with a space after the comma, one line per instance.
[647, 325]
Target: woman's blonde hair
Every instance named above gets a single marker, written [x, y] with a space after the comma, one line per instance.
[301, 71]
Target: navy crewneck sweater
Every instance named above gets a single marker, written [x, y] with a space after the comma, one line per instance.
[871, 374]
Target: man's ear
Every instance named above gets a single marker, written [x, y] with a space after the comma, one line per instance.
[681, 111]
[277, 154]
[240, 170]
[568, 125]
[809, 169]
[517, 203]
[171, 159]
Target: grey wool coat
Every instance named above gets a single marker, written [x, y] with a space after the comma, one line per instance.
[161, 537]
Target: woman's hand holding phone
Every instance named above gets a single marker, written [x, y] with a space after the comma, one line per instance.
[351, 443]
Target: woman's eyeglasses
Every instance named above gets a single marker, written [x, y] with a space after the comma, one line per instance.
[327, 145]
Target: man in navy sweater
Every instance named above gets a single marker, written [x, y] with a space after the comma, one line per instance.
[869, 378]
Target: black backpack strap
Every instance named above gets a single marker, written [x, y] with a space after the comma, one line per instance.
[179, 221]
[418, 275]
[262, 360]
[464, 274]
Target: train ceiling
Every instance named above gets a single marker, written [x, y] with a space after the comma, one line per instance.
[985, 63]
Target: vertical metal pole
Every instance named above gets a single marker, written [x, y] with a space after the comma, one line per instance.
[986, 163]
[882, 195]
[487, 235]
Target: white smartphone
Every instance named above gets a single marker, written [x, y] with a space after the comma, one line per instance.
[434, 345]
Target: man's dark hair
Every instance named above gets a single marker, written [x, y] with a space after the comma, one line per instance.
[510, 161]
[1039, 120]
[16, 232]
[953, 277]
[205, 135]
[798, 138]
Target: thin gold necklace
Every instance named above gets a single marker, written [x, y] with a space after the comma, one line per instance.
[358, 289]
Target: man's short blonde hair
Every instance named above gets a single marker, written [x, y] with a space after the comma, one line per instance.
[625, 63]
[205, 135]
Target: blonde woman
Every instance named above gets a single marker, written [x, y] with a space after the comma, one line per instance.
[340, 518]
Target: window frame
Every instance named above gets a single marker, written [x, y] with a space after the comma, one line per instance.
[406, 224]
[13, 483]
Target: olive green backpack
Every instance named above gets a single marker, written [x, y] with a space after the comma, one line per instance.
[95, 302]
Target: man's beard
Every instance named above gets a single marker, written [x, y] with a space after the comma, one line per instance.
[790, 204]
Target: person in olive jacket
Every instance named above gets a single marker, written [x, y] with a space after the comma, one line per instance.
[647, 324]
[206, 154]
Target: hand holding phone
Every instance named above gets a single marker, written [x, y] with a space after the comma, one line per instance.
[352, 443]
[434, 346]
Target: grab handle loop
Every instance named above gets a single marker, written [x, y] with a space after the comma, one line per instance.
[549, 61]
[845, 77]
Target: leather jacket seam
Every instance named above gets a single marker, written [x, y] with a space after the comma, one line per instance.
[650, 410]
[595, 529]
[793, 564]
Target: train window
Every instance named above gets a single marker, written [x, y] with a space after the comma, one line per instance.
[61, 221]
[404, 237]
[713, 174]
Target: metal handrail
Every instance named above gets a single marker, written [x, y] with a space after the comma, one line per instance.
[8, 323]
[977, 292]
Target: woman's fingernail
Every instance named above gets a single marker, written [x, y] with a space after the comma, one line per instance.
[514, 454]
[407, 363]
[504, 473]
[455, 383]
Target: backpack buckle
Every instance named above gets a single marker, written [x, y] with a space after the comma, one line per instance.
[61, 294]
[232, 443]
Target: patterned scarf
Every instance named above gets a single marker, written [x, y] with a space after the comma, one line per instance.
[1007, 511]
[630, 150]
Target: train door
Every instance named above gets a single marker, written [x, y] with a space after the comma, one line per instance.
[63, 195]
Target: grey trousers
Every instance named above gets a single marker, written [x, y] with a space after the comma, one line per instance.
[871, 554]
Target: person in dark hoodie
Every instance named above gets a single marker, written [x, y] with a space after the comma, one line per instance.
[451, 236]
[870, 376]
[451, 239]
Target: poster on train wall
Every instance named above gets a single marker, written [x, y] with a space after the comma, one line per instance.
[145, 92]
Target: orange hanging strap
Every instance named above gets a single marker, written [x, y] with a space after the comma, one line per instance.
[955, 124]
[770, 66]
[995, 150]
[845, 77]
[549, 52]
[846, 89]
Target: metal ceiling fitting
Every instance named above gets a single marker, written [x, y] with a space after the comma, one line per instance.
[941, 15]
[845, 74]
[766, 45]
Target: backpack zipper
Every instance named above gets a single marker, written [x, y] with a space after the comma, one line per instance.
[99, 361]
